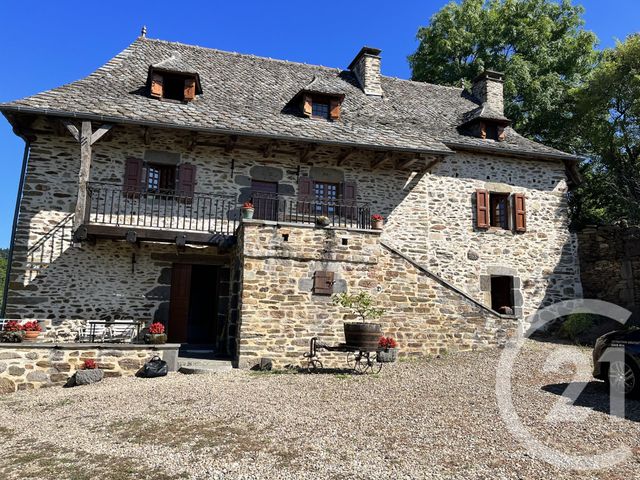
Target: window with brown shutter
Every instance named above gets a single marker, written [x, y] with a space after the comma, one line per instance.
[186, 179]
[323, 282]
[499, 210]
[132, 175]
[334, 109]
[307, 105]
[482, 208]
[519, 212]
[189, 89]
[156, 85]
[305, 194]
[349, 200]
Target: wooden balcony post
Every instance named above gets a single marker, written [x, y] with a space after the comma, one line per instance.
[83, 174]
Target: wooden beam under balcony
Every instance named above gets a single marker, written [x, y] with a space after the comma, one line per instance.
[157, 235]
[346, 155]
[380, 159]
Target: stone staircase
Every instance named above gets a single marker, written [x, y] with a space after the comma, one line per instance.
[190, 366]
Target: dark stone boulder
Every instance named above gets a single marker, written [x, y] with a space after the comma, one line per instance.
[87, 377]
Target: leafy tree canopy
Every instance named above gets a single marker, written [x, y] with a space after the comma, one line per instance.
[540, 45]
[607, 127]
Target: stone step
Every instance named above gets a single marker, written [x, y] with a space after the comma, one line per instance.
[196, 365]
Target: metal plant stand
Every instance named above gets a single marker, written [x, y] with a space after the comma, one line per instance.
[358, 359]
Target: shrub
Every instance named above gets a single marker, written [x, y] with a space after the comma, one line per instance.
[576, 325]
[361, 304]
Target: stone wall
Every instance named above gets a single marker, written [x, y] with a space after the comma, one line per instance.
[27, 366]
[610, 265]
[429, 217]
[281, 312]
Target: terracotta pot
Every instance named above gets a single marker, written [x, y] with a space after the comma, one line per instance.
[247, 213]
[31, 336]
[377, 224]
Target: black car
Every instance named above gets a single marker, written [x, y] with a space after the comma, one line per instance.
[616, 360]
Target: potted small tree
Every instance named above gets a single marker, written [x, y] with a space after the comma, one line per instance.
[377, 221]
[387, 350]
[156, 334]
[362, 334]
[247, 210]
[31, 330]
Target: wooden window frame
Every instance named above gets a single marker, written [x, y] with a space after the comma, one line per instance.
[165, 185]
[499, 221]
[333, 104]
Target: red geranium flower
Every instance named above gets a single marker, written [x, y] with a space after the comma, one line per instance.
[247, 205]
[89, 364]
[156, 328]
[12, 326]
[387, 342]
[33, 326]
[376, 217]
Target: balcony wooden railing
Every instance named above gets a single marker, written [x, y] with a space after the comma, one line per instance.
[200, 212]
[282, 208]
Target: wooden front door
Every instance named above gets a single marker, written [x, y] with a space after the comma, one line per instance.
[177, 332]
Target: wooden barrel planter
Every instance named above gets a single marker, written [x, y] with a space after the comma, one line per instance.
[362, 335]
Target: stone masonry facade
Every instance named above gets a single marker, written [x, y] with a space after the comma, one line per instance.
[429, 219]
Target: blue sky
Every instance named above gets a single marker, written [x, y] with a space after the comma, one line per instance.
[44, 45]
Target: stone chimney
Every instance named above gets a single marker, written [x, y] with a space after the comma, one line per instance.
[366, 68]
[487, 87]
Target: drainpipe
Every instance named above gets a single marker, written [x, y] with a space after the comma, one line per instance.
[25, 159]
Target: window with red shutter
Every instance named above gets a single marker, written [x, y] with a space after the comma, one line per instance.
[186, 179]
[519, 212]
[323, 282]
[156, 85]
[306, 194]
[482, 208]
[334, 111]
[189, 89]
[133, 175]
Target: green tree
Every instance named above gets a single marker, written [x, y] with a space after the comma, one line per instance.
[607, 124]
[540, 45]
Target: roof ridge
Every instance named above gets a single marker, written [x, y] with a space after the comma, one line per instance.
[247, 55]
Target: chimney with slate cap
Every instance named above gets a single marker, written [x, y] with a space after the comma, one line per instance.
[366, 68]
[488, 88]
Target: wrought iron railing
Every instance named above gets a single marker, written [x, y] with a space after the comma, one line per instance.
[283, 208]
[113, 205]
[48, 248]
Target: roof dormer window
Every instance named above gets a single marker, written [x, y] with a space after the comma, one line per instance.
[484, 123]
[173, 86]
[321, 106]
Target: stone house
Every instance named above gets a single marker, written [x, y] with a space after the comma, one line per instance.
[134, 178]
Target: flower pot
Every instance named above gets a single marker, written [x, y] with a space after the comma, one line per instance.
[247, 213]
[31, 336]
[388, 355]
[377, 224]
[155, 338]
[362, 335]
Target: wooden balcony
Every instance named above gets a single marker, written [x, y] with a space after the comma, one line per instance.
[166, 216]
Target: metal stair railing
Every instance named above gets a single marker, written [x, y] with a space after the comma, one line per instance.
[48, 248]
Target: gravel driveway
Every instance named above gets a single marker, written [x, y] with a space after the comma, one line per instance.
[434, 418]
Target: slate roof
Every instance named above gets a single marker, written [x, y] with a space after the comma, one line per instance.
[248, 95]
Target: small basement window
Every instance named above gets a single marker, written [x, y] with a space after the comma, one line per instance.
[502, 294]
